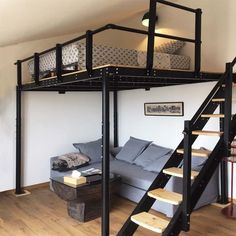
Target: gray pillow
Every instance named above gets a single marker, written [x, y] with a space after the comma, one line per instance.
[133, 148]
[152, 153]
[91, 149]
[158, 164]
[115, 150]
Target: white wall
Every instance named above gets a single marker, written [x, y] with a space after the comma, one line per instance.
[51, 122]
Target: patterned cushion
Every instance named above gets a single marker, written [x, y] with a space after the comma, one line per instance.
[47, 61]
[170, 47]
[165, 61]
[160, 60]
[103, 55]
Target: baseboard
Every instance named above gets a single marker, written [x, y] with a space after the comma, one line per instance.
[223, 205]
[30, 187]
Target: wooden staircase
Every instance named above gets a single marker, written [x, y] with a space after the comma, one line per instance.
[194, 182]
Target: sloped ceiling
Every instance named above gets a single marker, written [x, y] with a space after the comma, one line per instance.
[23, 20]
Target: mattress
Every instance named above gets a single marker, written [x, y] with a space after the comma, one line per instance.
[74, 57]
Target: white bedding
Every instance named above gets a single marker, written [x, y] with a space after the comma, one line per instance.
[75, 54]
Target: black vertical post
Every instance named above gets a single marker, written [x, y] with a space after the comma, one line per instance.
[198, 26]
[36, 68]
[59, 61]
[187, 176]
[105, 155]
[89, 52]
[18, 189]
[151, 34]
[223, 168]
[115, 107]
[227, 121]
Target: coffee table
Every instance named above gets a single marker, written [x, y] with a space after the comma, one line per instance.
[84, 202]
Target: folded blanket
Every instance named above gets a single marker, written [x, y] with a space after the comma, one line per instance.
[70, 161]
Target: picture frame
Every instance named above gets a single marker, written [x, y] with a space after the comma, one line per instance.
[164, 109]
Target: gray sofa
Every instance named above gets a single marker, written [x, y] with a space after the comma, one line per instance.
[135, 181]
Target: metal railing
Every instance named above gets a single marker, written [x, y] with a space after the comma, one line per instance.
[88, 36]
[151, 32]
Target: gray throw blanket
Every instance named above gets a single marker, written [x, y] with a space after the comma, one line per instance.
[70, 161]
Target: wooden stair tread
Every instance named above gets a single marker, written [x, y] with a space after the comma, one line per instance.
[221, 99]
[218, 100]
[178, 172]
[196, 152]
[212, 115]
[151, 222]
[166, 196]
[207, 133]
[233, 85]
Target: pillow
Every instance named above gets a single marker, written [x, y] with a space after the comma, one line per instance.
[91, 149]
[197, 162]
[70, 161]
[158, 164]
[152, 153]
[170, 47]
[115, 150]
[133, 148]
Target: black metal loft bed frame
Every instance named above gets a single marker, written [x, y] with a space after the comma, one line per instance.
[109, 78]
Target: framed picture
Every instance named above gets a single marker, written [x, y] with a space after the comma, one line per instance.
[164, 109]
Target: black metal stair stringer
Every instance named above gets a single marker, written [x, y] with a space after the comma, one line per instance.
[175, 160]
[200, 182]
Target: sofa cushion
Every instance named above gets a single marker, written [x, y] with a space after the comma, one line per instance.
[115, 150]
[150, 154]
[170, 47]
[132, 175]
[91, 149]
[158, 164]
[132, 148]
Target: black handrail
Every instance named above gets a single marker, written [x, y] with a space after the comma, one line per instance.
[151, 33]
[114, 27]
[171, 4]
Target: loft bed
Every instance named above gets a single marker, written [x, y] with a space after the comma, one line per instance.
[79, 66]
[106, 78]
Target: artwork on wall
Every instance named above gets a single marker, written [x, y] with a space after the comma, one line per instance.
[164, 109]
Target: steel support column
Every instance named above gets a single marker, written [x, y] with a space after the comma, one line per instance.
[227, 111]
[105, 155]
[18, 189]
[115, 113]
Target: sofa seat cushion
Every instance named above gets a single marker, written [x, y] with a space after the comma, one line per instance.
[132, 175]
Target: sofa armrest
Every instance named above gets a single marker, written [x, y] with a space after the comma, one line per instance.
[52, 159]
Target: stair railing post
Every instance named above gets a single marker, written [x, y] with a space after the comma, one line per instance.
[187, 176]
[227, 109]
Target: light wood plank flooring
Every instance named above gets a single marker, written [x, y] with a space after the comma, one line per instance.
[43, 214]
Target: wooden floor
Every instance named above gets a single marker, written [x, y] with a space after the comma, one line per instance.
[43, 214]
